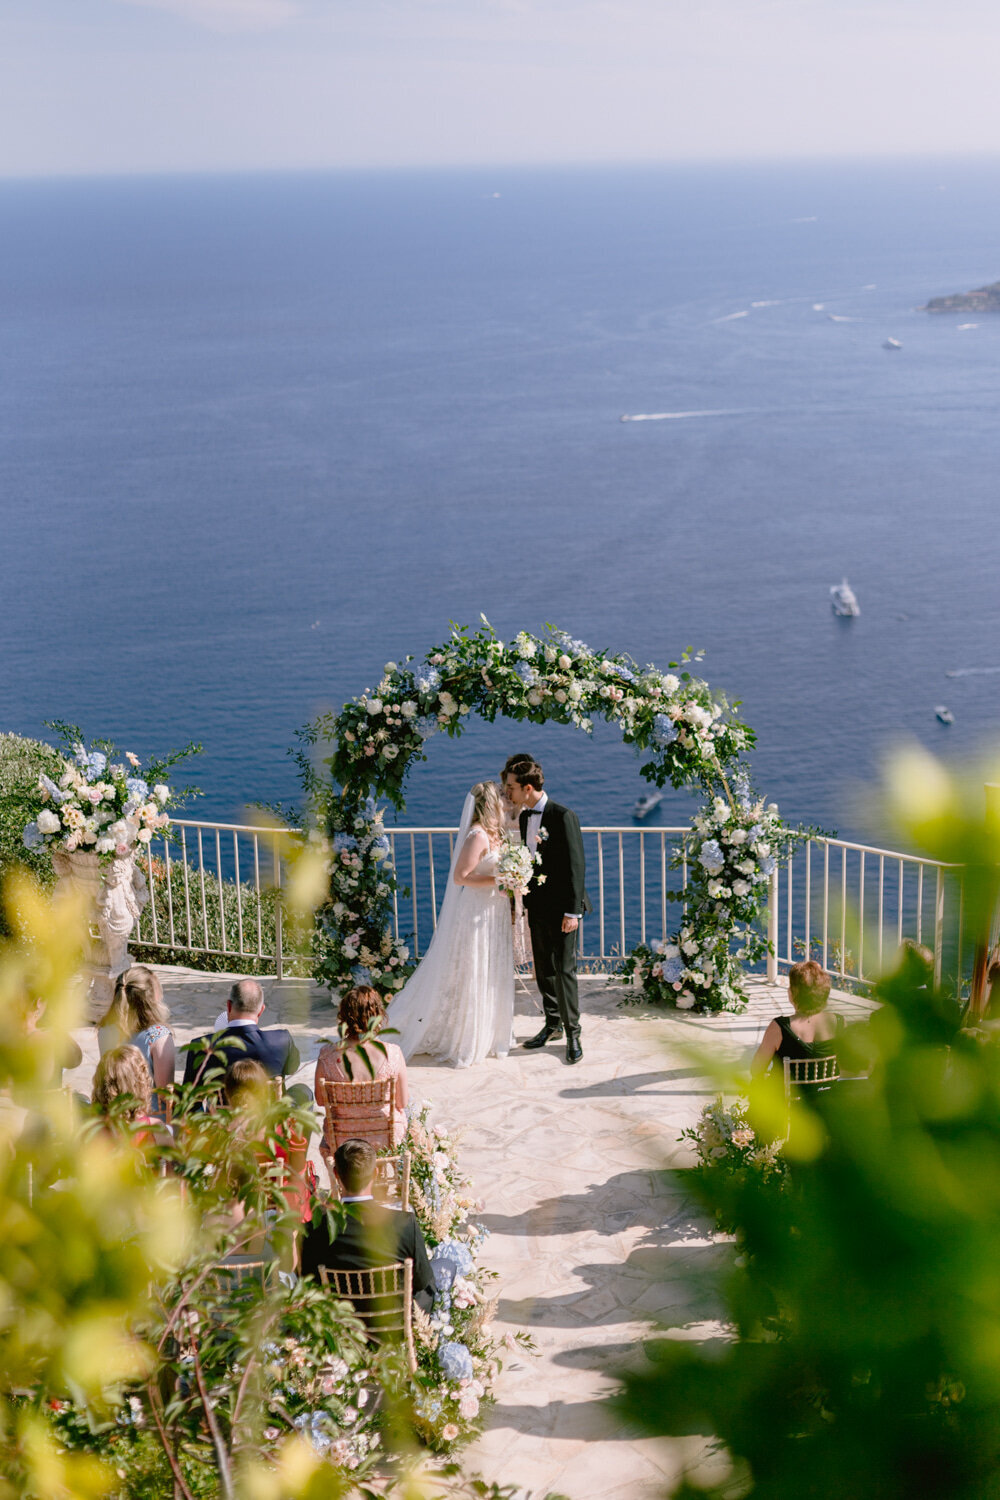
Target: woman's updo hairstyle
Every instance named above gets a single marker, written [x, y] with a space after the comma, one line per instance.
[360, 1010]
[808, 986]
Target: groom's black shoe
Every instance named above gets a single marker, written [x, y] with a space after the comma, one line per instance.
[547, 1034]
[574, 1051]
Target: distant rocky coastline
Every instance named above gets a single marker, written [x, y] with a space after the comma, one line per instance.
[983, 299]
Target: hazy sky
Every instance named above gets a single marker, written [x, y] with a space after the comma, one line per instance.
[140, 85]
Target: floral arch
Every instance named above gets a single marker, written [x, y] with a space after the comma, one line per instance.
[690, 736]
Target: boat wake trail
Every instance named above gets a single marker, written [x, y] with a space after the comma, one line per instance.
[677, 416]
[731, 317]
[973, 672]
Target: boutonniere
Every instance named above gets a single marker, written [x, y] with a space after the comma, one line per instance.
[543, 834]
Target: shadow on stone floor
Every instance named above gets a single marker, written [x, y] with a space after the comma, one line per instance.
[614, 1088]
[670, 1287]
[658, 1199]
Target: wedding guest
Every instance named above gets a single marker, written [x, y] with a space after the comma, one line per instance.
[374, 1235]
[68, 1055]
[137, 1017]
[811, 1031]
[246, 1087]
[242, 1037]
[123, 1073]
[362, 1014]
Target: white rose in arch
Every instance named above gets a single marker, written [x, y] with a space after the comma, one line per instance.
[685, 1000]
[161, 791]
[374, 705]
[560, 695]
[670, 682]
[408, 709]
[565, 663]
[144, 835]
[48, 821]
[740, 888]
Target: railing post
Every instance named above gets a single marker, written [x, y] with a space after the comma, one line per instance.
[279, 965]
[772, 926]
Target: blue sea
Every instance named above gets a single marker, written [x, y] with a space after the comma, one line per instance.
[262, 434]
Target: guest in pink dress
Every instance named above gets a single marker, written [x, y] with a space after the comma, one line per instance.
[361, 1014]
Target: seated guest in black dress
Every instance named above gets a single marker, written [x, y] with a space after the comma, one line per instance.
[374, 1234]
[811, 1032]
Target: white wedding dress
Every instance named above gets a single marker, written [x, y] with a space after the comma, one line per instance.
[458, 1005]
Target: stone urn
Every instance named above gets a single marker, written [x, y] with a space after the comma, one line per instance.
[115, 893]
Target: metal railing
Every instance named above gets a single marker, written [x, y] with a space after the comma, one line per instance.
[850, 906]
[629, 875]
[215, 892]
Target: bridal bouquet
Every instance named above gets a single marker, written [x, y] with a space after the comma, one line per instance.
[516, 867]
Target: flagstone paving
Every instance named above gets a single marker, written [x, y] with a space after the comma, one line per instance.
[592, 1237]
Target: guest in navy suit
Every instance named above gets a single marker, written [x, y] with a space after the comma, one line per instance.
[274, 1048]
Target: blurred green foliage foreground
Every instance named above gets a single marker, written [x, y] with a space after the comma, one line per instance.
[863, 1296]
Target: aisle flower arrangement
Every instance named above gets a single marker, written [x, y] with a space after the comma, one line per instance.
[688, 736]
[459, 1357]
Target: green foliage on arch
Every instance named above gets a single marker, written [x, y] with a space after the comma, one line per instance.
[688, 736]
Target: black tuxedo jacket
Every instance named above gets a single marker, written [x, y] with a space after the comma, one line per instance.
[563, 891]
[374, 1235]
[273, 1048]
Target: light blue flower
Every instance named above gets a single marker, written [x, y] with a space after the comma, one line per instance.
[448, 1260]
[428, 679]
[768, 865]
[711, 858]
[56, 793]
[527, 673]
[625, 673]
[741, 787]
[664, 729]
[455, 1361]
[570, 646]
[343, 842]
[32, 837]
[138, 789]
[381, 846]
[96, 762]
[426, 726]
[361, 975]
[673, 968]
[754, 833]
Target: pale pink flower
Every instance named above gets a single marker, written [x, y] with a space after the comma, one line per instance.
[449, 1433]
[133, 760]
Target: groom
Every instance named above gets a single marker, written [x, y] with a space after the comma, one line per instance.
[555, 907]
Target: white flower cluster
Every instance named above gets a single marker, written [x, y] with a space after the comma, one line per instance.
[104, 809]
[735, 849]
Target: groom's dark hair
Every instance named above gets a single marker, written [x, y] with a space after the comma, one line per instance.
[525, 770]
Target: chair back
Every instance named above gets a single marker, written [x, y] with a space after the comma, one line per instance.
[809, 1072]
[383, 1299]
[361, 1110]
[392, 1179]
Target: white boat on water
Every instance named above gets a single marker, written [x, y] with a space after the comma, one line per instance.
[892, 344]
[646, 803]
[843, 601]
[944, 714]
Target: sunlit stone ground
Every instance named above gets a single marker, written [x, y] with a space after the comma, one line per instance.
[591, 1235]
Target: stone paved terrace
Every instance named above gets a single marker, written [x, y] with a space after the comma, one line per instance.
[589, 1234]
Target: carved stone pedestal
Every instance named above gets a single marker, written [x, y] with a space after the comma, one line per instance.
[115, 894]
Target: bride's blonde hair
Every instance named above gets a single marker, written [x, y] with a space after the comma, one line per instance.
[488, 810]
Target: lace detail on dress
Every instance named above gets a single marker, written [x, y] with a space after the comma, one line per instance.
[459, 1004]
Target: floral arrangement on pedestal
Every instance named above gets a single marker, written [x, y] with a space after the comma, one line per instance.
[729, 859]
[690, 736]
[458, 1357]
[98, 806]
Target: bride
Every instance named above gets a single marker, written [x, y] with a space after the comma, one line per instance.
[458, 1005]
